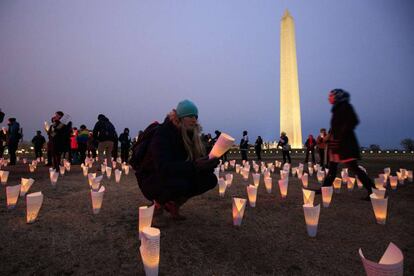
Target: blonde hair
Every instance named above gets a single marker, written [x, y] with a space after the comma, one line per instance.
[193, 145]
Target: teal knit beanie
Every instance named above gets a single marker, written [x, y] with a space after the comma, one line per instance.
[186, 108]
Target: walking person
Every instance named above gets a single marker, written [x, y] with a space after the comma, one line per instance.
[322, 147]
[244, 146]
[13, 137]
[310, 148]
[82, 139]
[284, 144]
[125, 141]
[258, 148]
[342, 142]
[104, 132]
[175, 166]
[38, 142]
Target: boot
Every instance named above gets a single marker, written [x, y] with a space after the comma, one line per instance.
[173, 209]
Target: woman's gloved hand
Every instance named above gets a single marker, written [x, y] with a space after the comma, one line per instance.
[204, 164]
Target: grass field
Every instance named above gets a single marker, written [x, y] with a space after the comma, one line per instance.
[272, 240]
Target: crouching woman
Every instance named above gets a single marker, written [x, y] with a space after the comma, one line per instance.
[175, 167]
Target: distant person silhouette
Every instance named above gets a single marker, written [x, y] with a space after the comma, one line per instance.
[284, 144]
[258, 147]
[244, 145]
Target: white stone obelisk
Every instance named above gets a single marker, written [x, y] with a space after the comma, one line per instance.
[289, 85]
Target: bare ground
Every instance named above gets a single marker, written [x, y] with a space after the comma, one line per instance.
[272, 240]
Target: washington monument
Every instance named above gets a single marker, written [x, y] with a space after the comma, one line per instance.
[289, 85]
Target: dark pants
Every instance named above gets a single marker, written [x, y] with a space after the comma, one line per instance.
[12, 151]
[124, 154]
[285, 153]
[49, 156]
[74, 156]
[244, 154]
[312, 151]
[259, 154]
[82, 151]
[38, 152]
[114, 152]
[322, 158]
[56, 157]
[353, 166]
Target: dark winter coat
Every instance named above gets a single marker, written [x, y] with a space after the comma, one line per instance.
[14, 133]
[59, 135]
[343, 140]
[310, 144]
[165, 166]
[104, 130]
[124, 140]
[258, 144]
[38, 141]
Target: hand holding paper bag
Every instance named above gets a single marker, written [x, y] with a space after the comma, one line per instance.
[223, 144]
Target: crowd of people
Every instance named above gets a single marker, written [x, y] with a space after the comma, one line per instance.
[173, 156]
[65, 141]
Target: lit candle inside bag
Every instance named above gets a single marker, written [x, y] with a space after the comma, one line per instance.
[337, 184]
[33, 202]
[118, 174]
[222, 186]
[268, 184]
[12, 194]
[308, 196]
[311, 218]
[239, 205]
[283, 187]
[150, 250]
[252, 194]
[327, 195]
[145, 218]
[379, 206]
[305, 178]
[97, 198]
[25, 183]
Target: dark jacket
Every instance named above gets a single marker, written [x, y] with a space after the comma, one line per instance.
[258, 144]
[14, 133]
[310, 143]
[343, 140]
[38, 141]
[165, 165]
[104, 130]
[124, 140]
[284, 143]
[59, 135]
[244, 143]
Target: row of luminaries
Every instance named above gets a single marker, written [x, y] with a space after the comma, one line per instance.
[34, 200]
[392, 260]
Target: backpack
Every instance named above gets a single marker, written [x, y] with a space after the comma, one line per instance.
[140, 148]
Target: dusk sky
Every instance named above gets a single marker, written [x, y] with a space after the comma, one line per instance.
[135, 60]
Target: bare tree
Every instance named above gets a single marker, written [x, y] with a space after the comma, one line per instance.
[408, 144]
